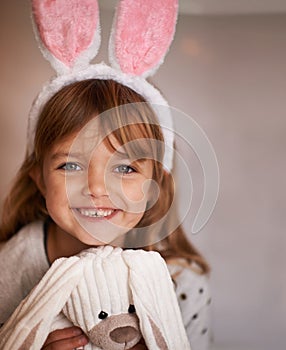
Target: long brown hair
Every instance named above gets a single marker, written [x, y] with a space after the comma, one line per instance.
[67, 112]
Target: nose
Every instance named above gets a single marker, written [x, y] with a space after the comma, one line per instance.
[124, 334]
[96, 182]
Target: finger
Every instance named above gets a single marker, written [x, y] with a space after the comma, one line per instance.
[61, 334]
[67, 344]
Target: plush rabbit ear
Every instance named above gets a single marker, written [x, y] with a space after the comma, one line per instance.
[142, 33]
[68, 32]
[29, 325]
[103, 287]
[155, 301]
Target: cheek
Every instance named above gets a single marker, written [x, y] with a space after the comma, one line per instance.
[131, 220]
[133, 193]
[147, 190]
[75, 188]
[135, 197]
[55, 194]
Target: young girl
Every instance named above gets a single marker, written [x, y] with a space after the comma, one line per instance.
[44, 219]
[97, 169]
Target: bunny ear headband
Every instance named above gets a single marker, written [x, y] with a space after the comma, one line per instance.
[68, 32]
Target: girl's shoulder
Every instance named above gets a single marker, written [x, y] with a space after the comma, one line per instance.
[26, 246]
[21, 241]
[193, 293]
[23, 261]
[190, 283]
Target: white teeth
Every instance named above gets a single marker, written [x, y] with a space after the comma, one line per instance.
[96, 213]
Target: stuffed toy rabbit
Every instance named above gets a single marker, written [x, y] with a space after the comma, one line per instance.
[115, 296]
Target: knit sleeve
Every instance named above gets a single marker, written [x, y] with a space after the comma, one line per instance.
[192, 290]
[23, 263]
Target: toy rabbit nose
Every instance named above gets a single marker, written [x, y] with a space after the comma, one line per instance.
[124, 334]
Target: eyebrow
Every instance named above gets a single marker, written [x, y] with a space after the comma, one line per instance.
[125, 155]
[119, 154]
[57, 155]
[122, 154]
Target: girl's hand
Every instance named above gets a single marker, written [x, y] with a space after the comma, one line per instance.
[65, 339]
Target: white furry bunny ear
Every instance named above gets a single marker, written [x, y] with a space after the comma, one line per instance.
[155, 301]
[142, 33]
[29, 325]
[68, 32]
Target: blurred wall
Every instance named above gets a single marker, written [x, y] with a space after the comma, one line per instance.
[229, 74]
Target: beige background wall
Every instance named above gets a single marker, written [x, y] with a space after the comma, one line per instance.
[229, 74]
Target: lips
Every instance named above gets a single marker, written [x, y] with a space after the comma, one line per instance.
[96, 212]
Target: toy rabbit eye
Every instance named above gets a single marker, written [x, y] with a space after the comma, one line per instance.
[102, 315]
[131, 309]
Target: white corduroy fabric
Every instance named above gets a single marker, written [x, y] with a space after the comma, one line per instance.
[77, 290]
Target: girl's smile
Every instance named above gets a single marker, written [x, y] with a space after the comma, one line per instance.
[99, 213]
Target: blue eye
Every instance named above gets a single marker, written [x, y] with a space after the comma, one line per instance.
[124, 169]
[70, 167]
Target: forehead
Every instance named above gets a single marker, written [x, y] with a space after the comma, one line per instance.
[95, 132]
[87, 144]
[82, 143]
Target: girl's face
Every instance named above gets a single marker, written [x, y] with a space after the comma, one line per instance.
[95, 194]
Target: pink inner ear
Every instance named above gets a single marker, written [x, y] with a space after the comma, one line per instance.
[66, 27]
[144, 31]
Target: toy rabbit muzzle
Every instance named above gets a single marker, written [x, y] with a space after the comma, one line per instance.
[114, 330]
